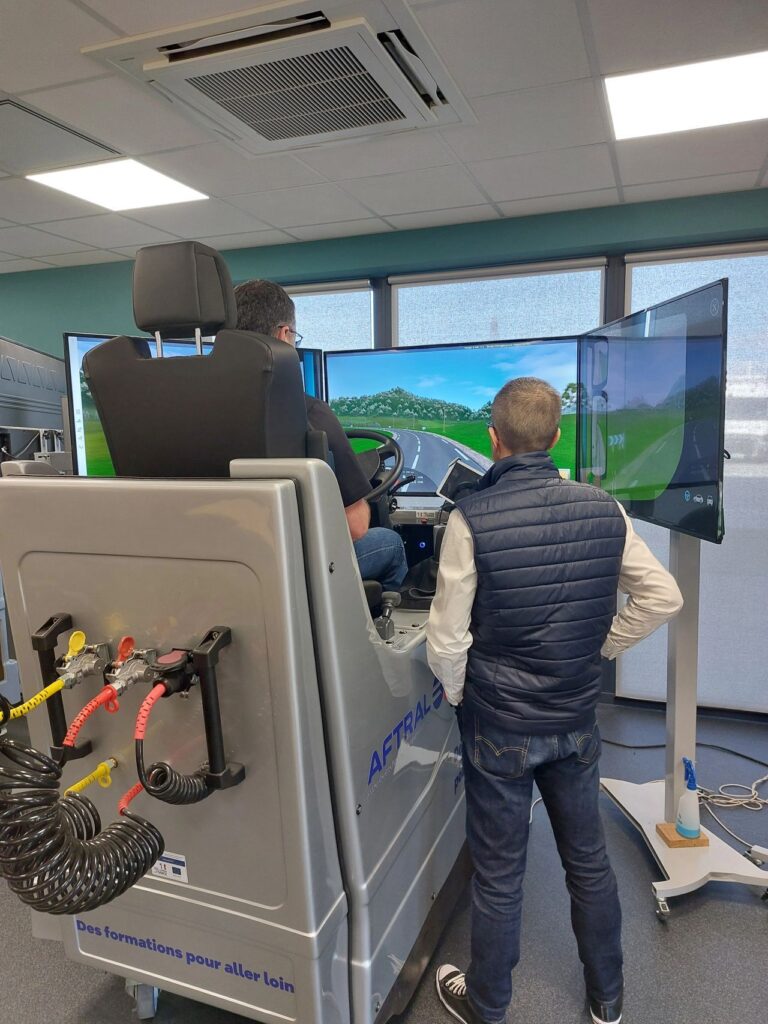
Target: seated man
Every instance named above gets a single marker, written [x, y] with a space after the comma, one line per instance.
[266, 308]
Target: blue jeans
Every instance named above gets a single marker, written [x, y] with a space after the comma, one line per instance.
[381, 556]
[500, 767]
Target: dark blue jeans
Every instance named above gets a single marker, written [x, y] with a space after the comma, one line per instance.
[500, 768]
[381, 556]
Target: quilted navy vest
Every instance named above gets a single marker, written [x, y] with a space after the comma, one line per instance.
[548, 553]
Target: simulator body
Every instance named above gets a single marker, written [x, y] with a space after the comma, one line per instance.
[311, 876]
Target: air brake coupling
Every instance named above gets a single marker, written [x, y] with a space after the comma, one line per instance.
[132, 666]
[82, 660]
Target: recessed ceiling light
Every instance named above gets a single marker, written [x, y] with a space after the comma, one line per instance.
[702, 95]
[119, 185]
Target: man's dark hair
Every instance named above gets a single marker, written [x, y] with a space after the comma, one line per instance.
[526, 415]
[262, 306]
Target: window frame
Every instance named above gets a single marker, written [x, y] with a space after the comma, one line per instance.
[491, 273]
[363, 284]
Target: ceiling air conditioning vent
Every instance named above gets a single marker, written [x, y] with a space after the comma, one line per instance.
[329, 91]
[292, 75]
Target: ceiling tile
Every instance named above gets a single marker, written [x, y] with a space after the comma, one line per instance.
[108, 231]
[27, 202]
[33, 143]
[311, 204]
[121, 113]
[341, 229]
[383, 155]
[558, 172]
[147, 15]
[551, 117]
[219, 170]
[15, 266]
[708, 185]
[84, 259]
[637, 36]
[441, 218]
[553, 204]
[40, 44]
[414, 191]
[494, 46]
[23, 241]
[248, 239]
[197, 219]
[726, 150]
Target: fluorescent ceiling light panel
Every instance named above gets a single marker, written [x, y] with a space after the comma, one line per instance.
[702, 95]
[119, 185]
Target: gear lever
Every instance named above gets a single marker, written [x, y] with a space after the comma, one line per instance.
[385, 627]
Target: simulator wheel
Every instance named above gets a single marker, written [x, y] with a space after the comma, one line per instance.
[373, 461]
[662, 910]
[146, 999]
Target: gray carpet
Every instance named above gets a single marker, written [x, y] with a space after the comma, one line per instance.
[706, 965]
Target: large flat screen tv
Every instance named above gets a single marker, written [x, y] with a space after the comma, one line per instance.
[90, 456]
[652, 411]
[435, 401]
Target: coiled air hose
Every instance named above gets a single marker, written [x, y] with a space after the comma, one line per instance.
[53, 853]
[161, 780]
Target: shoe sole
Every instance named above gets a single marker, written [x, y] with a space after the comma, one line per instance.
[599, 1020]
[450, 1010]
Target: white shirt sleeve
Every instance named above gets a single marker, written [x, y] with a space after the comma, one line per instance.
[448, 635]
[653, 596]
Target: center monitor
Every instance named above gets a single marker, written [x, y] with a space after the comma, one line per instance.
[436, 401]
[91, 455]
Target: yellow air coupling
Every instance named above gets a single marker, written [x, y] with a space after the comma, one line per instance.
[76, 643]
[102, 775]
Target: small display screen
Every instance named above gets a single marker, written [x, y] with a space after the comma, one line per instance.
[652, 411]
[459, 481]
[436, 401]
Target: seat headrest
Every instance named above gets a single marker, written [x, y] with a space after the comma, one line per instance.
[181, 286]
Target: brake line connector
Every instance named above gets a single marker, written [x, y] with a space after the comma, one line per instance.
[83, 660]
[132, 666]
[102, 775]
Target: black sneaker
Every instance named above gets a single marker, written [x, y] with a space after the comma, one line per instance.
[452, 992]
[605, 1013]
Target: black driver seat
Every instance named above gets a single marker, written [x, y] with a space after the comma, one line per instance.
[191, 417]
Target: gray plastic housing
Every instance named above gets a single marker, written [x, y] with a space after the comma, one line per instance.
[301, 892]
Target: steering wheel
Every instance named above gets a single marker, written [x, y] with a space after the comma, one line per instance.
[372, 461]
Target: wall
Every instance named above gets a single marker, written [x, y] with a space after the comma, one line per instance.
[35, 307]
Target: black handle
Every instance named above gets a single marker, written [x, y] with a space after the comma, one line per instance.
[205, 656]
[44, 641]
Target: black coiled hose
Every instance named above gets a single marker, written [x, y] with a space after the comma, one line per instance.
[53, 853]
[165, 783]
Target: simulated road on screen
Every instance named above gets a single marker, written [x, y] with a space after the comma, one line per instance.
[429, 455]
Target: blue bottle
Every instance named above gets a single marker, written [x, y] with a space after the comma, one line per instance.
[688, 822]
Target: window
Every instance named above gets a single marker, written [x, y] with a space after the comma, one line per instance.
[335, 316]
[734, 575]
[524, 303]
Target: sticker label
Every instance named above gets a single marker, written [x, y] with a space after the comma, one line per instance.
[172, 866]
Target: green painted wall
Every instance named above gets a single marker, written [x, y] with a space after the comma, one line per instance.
[36, 307]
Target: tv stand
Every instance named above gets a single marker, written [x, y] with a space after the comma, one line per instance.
[652, 803]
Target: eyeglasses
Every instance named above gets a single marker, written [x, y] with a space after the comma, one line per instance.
[298, 338]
